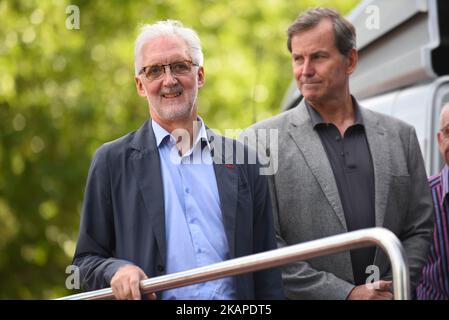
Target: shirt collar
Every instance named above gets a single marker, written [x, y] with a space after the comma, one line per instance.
[161, 134]
[316, 118]
[202, 136]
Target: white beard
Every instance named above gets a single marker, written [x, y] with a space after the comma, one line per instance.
[176, 110]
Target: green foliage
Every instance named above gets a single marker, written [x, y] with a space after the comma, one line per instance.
[65, 92]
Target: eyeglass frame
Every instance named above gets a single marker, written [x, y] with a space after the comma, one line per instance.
[445, 131]
[169, 65]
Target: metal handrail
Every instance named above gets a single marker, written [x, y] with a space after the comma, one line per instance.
[381, 237]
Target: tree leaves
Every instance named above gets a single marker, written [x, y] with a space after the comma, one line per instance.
[64, 92]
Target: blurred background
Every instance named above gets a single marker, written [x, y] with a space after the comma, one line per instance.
[64, 92]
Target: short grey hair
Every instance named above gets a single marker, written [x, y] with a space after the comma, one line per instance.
[344, 31]
[444, 108]
[150, 32]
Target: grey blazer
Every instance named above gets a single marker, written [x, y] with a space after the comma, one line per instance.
[307, 206]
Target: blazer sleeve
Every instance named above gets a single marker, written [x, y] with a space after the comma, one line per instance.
[417, 227]
[94, 254]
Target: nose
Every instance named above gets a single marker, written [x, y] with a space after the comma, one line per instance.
[168, 78]
[307, 68]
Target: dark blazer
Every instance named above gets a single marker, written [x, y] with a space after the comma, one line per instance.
[307, 206]
[123, 217]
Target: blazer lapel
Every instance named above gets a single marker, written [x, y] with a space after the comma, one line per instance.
[147, 170]
[226, 174]
[310, 145]
[380, 153]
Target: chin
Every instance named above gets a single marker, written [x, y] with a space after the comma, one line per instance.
[309, 94]
[311, 97]
[177, 114]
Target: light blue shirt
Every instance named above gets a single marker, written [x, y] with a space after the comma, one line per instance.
[194, 228]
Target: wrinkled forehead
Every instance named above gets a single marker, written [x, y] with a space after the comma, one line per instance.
[164, 49]
[318, 37]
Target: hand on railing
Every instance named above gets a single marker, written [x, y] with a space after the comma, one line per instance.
[379, 290]
[126, 283]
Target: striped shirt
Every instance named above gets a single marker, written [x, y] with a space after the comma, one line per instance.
[434, 284]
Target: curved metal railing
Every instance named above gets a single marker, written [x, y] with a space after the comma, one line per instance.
[381, 237]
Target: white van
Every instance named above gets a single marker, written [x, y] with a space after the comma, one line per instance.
[403, 67]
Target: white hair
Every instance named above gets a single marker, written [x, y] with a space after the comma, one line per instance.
[149, 32]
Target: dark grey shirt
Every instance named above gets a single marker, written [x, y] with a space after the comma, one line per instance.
[352, 166]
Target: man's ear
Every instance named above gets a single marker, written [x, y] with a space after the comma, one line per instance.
[139, 86]
[200, 77]
[352, 60]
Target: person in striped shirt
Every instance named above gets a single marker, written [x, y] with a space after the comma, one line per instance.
[434, 284]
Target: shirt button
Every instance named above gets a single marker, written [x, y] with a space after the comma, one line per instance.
[342, 154]
[160, 268]
[187, 190]
[337, 138]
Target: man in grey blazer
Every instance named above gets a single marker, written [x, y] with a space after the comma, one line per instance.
[341, 168]
[172, 196]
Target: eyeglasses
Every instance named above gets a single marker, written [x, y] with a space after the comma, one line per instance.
[445, 131]
[177, 68]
